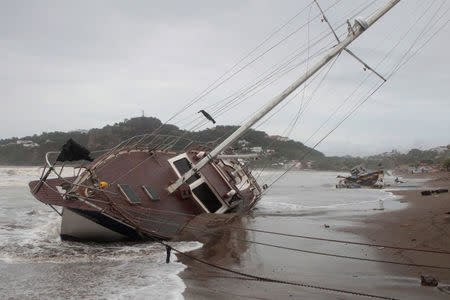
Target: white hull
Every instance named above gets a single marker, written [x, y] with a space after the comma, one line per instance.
[74, 226]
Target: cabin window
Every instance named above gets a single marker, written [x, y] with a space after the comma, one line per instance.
[151, 193]
[207, 197]
[129, 194]
[183, 165]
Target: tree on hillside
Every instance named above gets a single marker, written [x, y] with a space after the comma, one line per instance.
[446, 164]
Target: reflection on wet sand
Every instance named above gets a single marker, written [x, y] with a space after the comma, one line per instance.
[221, 241]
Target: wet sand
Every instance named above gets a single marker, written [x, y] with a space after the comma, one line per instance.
[424, 223]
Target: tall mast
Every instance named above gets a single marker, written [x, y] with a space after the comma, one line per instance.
[358, 28]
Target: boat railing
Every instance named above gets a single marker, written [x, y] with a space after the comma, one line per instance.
[54, 169]
[155, 142]
[158, 142]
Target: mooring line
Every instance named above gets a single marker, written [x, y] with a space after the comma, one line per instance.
[207, 221]
[266, 279]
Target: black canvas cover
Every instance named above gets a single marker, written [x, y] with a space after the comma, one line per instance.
[72, 151]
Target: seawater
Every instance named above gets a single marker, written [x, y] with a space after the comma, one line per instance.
[36, 263]
[306, 191]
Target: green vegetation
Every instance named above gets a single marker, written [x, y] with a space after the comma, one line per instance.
[12, 153]
[109, 136]
[446, 164]
[391, 160]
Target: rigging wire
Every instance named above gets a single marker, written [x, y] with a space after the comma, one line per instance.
[266, 279]
[281, 246]
[396, 68]
[357, 106]
[351, 14]
[367, 77]
[304, 90]
[205, 221]
[342, 25]
[220, 81]
[301, 112]
[424, 44]
[275, 70]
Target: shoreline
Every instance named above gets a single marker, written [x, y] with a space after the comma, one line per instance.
[406, 227]
[423, 224]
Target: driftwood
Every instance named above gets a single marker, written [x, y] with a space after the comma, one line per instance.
[430, 192]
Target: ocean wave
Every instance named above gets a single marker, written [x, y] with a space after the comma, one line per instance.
[20, 176]
[39, 242]
[125, 269]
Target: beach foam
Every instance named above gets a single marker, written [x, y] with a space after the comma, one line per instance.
[29, 240]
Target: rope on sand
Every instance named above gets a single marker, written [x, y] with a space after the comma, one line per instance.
[258, 278]
[266, 279]
[326, 254]
[201, 220]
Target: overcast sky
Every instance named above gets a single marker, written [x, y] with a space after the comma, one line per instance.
[69, 65]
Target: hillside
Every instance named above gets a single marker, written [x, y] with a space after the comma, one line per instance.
[30, 150]
[275, 151]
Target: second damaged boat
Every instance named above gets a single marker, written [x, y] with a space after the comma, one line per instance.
[361, 177]
[150, 186]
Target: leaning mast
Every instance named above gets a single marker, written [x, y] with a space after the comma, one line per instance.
[354, 32]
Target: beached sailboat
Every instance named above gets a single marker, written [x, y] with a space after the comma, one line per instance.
[150, 185]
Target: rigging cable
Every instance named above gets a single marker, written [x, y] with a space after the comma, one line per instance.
[205, 221]
[350, 15]
[266, 279]
[218, 82]
[134, 217]
[368, 76]
[259, 278]
[356, 107]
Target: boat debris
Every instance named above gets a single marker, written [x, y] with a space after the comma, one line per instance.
[431, 192]
[361, 177]
[427, 280]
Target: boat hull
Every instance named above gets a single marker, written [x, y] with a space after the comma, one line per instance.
[134, 201]
[79, 226]
[373, 180]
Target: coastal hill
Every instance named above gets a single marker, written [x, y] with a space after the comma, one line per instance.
[30, 150]
[275, 151]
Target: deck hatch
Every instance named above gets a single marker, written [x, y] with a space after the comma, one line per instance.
[183, 165]
[151, 192]
[129, 193]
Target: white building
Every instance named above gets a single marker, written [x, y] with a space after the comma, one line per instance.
[27, 143]
[256, 149]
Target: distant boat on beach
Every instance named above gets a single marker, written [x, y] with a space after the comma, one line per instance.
[361, 177]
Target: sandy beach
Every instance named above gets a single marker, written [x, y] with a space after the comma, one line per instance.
[422, 224]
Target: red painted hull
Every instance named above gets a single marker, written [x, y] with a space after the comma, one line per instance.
[222, 186]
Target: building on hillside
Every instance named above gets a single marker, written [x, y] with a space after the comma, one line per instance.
[270, 151]
[256, 149]
[440, 149]
[27, 143]
[278, 138]
[243, 143]
[82, 131]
